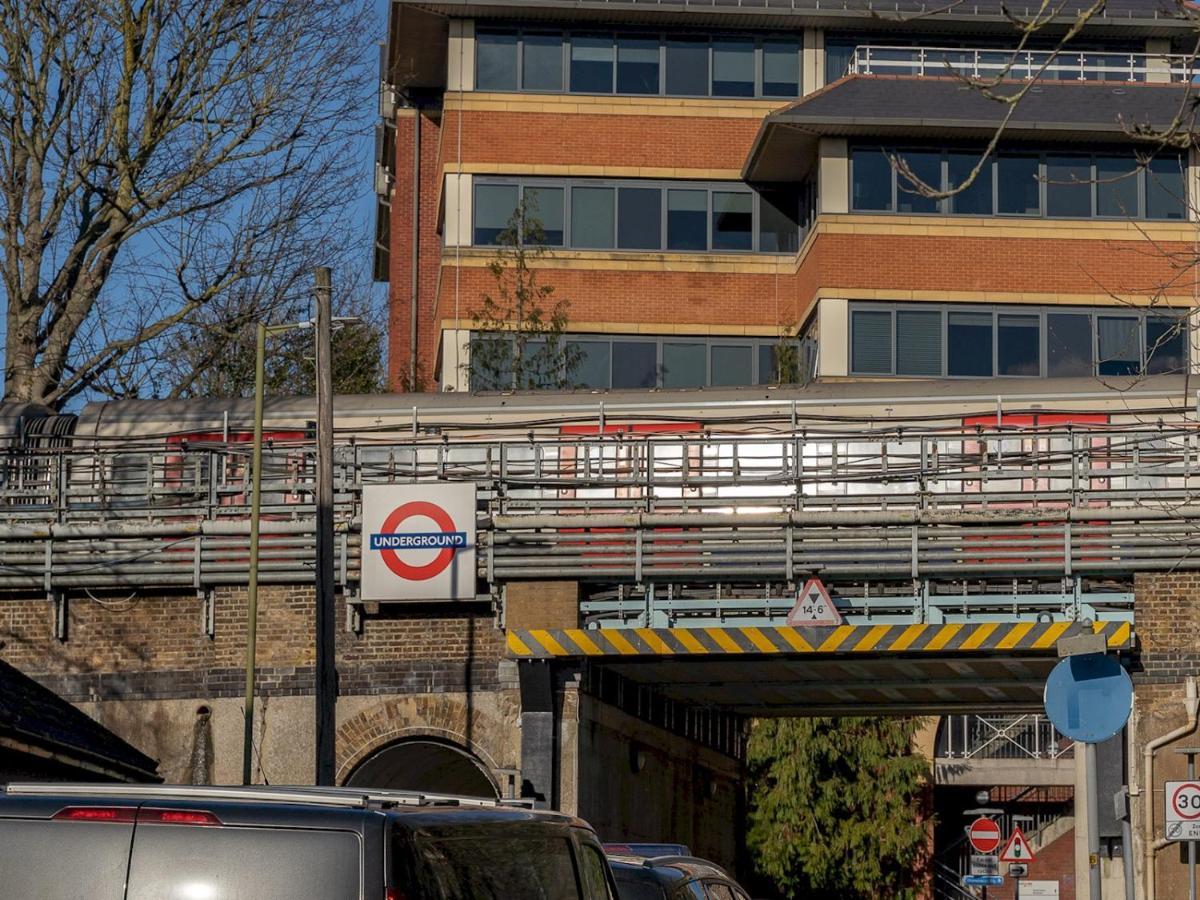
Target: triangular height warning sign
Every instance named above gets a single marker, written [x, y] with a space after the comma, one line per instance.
[1017, 850]
[813, 606]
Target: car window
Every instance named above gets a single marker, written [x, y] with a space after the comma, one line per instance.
[693, 890]
[490, 867]
[634, 886]
[718, 891]
[592, 874]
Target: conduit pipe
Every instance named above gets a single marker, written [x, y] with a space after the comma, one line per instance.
[1149, 845]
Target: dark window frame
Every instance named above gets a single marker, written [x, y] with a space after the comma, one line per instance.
[758, 39]
[1140, 169]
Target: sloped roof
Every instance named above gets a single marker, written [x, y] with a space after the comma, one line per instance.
[34, 715]
[890, 107]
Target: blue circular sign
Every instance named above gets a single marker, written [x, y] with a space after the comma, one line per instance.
[1089, 697]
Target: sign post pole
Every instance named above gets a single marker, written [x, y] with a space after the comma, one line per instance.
[1093, 820]
[1190, 753]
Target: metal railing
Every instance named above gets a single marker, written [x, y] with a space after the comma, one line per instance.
[1046, 65]
[895, 506]
[1001, 737]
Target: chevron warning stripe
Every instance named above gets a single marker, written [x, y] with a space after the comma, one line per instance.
[952, 638]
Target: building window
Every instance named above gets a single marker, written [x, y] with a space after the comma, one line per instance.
[637, 63]
[634, 362]
[978, 341]
[683, 216]
[591, 64]
[542, 62]
[1020, 183]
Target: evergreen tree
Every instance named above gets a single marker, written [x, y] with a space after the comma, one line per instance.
[837, 807]
[518, 335]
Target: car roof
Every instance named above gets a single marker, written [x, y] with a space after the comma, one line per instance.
[408, 808]
[668, 869]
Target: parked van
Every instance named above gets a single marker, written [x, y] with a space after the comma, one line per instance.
[126, 842]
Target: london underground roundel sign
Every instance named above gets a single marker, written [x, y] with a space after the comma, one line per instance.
[418, 542]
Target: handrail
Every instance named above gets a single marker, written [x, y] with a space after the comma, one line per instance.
[924, 62]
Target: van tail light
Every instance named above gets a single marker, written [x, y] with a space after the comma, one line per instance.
[176, 817]
[119, 814]
[395, 894]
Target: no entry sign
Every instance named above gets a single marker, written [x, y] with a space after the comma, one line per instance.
[984, 835]
[418, 542]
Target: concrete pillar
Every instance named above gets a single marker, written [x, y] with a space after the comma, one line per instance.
[539, 743]
[833, 337]
[1082, 879]
[813, 75]
[834, 174]
[456, 207]
[460, 56]
[1158, 69]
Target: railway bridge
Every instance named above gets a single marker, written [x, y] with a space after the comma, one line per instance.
[637, 562]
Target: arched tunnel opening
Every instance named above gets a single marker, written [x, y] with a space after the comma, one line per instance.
[427, 765]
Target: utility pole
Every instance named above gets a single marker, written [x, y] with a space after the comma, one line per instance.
[325, 689]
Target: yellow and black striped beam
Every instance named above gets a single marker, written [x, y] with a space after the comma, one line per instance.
[950, 639]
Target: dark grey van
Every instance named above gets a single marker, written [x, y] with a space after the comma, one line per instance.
[124, 842]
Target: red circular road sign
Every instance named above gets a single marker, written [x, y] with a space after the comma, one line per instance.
[1185, 801]
[439, 563]
[984, 835]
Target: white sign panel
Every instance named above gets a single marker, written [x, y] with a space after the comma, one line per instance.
[1038, 890]
[418, 542]
[1183, 811]
[814, 606]
[984, 864]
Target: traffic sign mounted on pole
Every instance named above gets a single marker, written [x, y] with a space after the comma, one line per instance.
[1183, 811]
[814, 606]
[984, 835]
[1017, 850]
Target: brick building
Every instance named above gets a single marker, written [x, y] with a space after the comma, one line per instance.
[716, 181]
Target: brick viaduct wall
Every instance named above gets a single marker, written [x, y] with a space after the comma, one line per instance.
[144, 666]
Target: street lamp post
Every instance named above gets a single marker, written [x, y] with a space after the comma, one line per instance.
[255, 509]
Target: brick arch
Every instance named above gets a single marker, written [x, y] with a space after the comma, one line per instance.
[395, 720]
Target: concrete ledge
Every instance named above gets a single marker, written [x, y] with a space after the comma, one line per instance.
[991, 772]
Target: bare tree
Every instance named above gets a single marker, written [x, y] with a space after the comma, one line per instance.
[158, 156]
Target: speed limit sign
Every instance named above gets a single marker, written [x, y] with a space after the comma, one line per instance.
[1183, 811]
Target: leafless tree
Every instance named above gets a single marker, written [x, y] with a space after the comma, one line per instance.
[156, 157]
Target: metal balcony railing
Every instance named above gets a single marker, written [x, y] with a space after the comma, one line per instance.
[1001, 737]
[1045, 65]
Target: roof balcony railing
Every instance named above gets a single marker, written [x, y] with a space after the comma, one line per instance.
[1046, 65]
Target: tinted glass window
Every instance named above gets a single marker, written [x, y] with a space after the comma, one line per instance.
[591, 64]
[918, 343]
[1118, 346]
[544, 211]
[838, 54]
[871, 342]
[1165, 196]
[542, 69]
[494, 206]
[1164, 344]
[731, 366]
[1116, 186]
[872, 188]
[779, 228]
[593, 368]
[1068, 344]
[969, 344]
[684, 365]
[492, 364]
[687, 66]
[733, 68]
[774, 370]
[593, 214]
[495, 61]
[718, 891]
[466, 868]
[1018, 345]
[637, 65]
[976, 198]
[635, 364]
[633, 886]
[592, 872]
[639, 218]
[927, 167]
[1068, 186]
[781, 69]
[733, 220]
[1017, 185]
[687, 220]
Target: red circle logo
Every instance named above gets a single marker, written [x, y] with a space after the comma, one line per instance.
[440, 562]
[984, 835]
[1183, 812]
